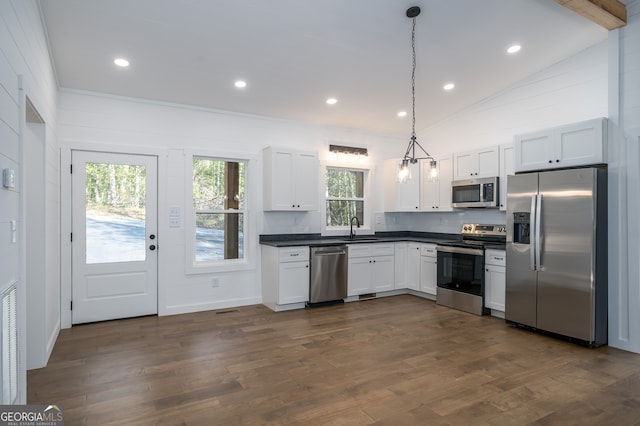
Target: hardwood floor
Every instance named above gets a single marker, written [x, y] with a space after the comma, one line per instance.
[399, 360]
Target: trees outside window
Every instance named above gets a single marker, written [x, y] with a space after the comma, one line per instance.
[345, 196]
[219, 205]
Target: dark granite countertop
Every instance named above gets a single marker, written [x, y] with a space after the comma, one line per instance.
[315, 240]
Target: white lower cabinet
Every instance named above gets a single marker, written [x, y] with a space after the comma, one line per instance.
[400, 266]
[494, 279]
[428, 269]
[413, 266]
[285, 277]
[371, 268]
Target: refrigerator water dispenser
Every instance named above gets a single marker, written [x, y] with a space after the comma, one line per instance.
[521, 227]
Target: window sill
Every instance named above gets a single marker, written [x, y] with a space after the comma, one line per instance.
[226, 266]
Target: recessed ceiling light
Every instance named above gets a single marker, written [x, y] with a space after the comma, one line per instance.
[402, 114]
[121, 62]
[332, 101]
[513, 49]
[240, 84]
[449, 86]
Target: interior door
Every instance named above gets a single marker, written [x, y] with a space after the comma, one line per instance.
[114, 239]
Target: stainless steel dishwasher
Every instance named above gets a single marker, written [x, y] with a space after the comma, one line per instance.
[328, 274]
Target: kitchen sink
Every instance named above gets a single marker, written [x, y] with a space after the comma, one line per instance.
[363, 239]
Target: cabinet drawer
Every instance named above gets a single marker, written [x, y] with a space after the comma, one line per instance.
[495, 257]
[293, 254]
[428, 250]
[359, 250]
[382, 249]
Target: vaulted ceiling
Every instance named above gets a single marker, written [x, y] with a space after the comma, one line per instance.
[294, 54]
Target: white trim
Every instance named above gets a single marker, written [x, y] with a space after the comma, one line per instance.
[248, 262]
[66, 147]
[366, 228]
[209, 306]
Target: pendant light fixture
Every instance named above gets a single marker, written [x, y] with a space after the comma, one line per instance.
[404, 173]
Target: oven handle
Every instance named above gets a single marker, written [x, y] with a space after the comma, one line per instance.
[460, 250]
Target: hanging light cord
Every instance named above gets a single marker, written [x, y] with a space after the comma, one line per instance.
[413, 81]
[411, 149]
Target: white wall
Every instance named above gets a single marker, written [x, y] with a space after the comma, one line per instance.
[25, 63]
[572, 90]
[172, 132]
[624, 183]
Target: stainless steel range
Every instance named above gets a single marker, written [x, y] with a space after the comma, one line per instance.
[461, 267]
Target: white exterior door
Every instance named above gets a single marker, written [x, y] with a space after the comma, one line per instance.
[114, 240]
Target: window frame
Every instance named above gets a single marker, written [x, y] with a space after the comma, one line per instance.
[366, 224]
[225, 265]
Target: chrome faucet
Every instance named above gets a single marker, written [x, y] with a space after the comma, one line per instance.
[351, 233]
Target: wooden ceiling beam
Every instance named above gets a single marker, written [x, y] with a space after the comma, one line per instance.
[610, 14]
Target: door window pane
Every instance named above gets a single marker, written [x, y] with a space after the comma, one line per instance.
[115, 213]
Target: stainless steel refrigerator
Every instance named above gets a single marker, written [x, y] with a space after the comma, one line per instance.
[557, 253]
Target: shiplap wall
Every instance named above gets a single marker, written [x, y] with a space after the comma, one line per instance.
[25, 63]
[174, 132]
[572, 90]
[624, 183]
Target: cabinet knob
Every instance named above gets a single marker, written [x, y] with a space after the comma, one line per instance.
[550, 161]
[557, 161]
[293, 205]
[487, 270]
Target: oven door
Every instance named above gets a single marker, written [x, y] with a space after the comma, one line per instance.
[461, 269]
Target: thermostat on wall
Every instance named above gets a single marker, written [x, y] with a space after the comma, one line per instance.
[8, 178]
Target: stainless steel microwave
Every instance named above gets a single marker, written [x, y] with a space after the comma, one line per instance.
[480, 192]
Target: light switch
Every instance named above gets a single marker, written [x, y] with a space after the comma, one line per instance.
[8, 178]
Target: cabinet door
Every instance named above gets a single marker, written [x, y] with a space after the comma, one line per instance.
[408, 193]
[445, 176]
[359, 276]
[580, 143]
[507, 158]
[465, 165]
[400, 266]
[428, 275]
[278, 179]
[382, 273]
[294, 282]
[413, 266]
[429, 189]
[488, 162]
[494, 291]
[534, 151]
[305, 180]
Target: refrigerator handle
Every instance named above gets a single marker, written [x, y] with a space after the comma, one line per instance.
[532, 223]
[538, 247]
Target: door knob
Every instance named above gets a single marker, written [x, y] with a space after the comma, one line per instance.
[152, 237]
[152, 247]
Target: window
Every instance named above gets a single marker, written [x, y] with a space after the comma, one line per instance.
[345, 196]
[219, 204]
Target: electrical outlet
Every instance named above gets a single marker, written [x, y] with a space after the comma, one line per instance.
[215, 282]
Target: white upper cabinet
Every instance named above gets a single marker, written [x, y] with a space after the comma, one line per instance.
[576, 144]
[290, 180]
[477, 163]
[401, 197]
[507, 167]
[436, 195]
